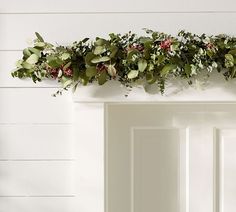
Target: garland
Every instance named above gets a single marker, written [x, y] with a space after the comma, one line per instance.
[130, 59]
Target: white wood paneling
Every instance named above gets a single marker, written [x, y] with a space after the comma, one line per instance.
[7, 64]
[42, 160]
[41, 178]
[38, 204]
[225, 169]
[89, 147]
[34, 106]
[36, 142]
[158, 169]
[92, 25]
[69, 6]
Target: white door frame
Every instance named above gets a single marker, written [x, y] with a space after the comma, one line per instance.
[90, 107]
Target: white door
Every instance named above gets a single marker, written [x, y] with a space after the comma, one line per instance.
[176, 157]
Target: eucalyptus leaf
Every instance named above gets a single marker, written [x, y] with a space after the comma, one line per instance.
[91, 71]
[150, 78]
[35, 51]
[99, 50]
[19, 63]
[100, 59]
[26, 52]
[27, 65]
[187, 69]
[111, 70]
[229, 57]
[54, 62]
[142, 65]
[232, 52]
[100, 42]
[114, 50]
[89, 57]
[65, 56]
[167, 68]
[32, 59]
[102, 78]
[39, 37]
[132, 74]
[66, 66]
[40, 44]
[66, 82]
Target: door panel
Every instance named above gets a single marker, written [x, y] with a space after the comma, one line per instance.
[156, 168]
[170, 157]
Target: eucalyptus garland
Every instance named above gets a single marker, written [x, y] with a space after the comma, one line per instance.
[129, 59]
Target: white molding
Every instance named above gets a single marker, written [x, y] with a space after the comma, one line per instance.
[89, 151]
[216, 90]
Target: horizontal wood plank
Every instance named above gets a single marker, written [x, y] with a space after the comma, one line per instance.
[38, 204]
[35, 105]
[37, 142]
[40, 178]
[46, 6]
[64, 29]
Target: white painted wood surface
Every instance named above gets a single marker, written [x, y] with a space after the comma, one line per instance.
[170, 157]
[92, 25]
[27, 110]
[49, 6]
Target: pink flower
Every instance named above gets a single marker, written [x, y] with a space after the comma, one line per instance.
[53, 72]
[68, 72]
[101, 66]
[210, 46]
[135, 46]
[166, 44]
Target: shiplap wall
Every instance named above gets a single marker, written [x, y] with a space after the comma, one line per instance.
[37, 160]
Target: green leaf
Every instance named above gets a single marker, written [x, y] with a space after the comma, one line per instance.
[150, 78]
[100, 42]
[35, 51]
[26, 53]
[233, 52]
[91, 71]
[161, 58]
[27, 65]
[229, 57]
[39, 37]
[142, 65]
[65, 56]
[132, 74]
[54, 62]
[66, 66]
[32, 59]
[89, 57]
[100, 59]
[102, 78]
[229, 60]
[131, 53]
[40, 44]
[66, 82]
[19, 63]
[187, 69]
[99, 50]
[166, 69]
[76, 72]
[111, 70]
[114, 50]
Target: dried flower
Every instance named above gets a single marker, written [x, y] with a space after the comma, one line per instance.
[166, 44]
